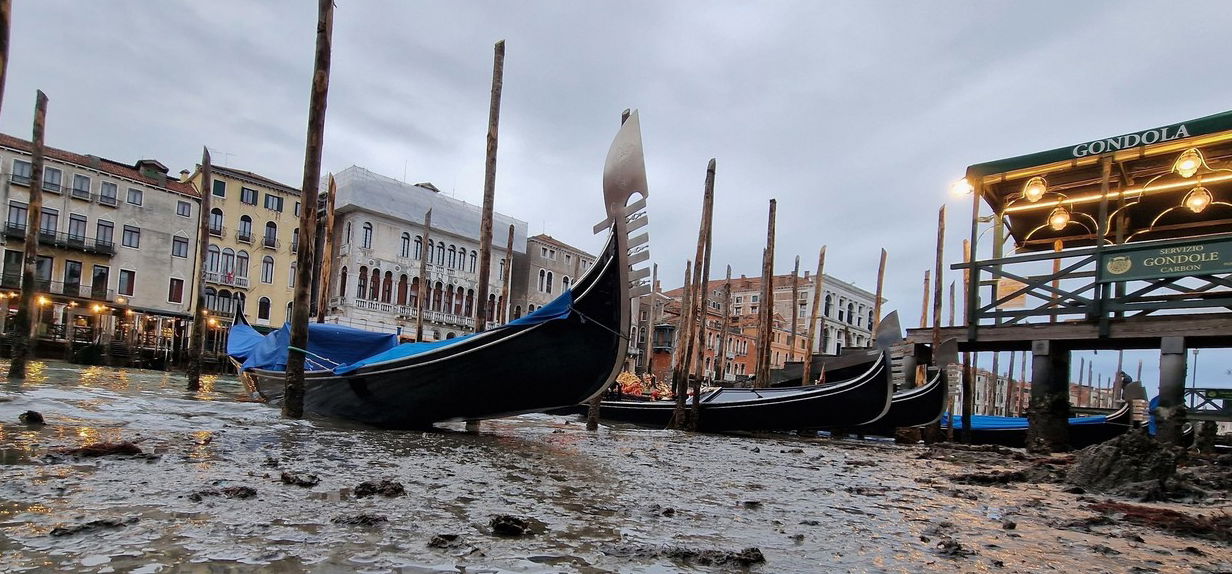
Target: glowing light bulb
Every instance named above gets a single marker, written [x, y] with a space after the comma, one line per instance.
[961, 187]
[1034, 189]
[1197, 199]
[1058, 219]
[1188, 163]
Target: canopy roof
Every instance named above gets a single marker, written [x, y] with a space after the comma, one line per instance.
[1145, 193]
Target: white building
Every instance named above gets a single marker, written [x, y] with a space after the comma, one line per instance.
[379, 242]
[847, 311]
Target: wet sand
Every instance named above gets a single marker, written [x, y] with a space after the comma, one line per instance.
[624, 499]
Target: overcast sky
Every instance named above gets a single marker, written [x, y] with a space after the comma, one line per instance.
[855, 116]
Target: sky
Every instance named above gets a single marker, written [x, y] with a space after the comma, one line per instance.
[854, 116]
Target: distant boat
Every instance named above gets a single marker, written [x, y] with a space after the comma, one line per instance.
[560, 355]
[859, 400]
[1012, 431]
[915, 407]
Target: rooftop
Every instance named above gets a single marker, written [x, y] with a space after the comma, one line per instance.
[104, 165]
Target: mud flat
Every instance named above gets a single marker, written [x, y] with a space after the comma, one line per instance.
[221, 484]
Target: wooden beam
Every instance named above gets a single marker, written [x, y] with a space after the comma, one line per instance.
[327, 252]
[424, 255]
[196, 338]
[26, 310]
[881, 267]
[767, 305]
[489, 189]
[503, 301]
[937, 284]
[703, 291]
[818, 287]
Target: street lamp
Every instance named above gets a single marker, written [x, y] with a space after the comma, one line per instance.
[1193, 381]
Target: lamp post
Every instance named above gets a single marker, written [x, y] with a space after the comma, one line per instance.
[1193, 381]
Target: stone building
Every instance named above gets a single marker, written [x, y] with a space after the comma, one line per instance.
[552, 267]
[117, 247]
[847, 311]
[379, 242]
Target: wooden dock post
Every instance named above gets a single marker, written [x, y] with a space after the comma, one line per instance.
[680, 370]
[720, 367]
[924, 304]
[503, 301]
[196, 338]
[327, 253]
[806, 373]
[881, 267]
[766, 326]
[489, 189]
[795, 311]
[1171, 414]
[293, 395]
[23, 332]
[1048, 415]
[701, 275]
[423, 292]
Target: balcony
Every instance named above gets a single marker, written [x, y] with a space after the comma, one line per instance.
[217, 231]
[408, 312]
[77, 242]
[228, 279]
[269, 242]
[81, 194]
[243, 236]
[69, 289]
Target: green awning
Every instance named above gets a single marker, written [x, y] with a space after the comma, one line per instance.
[1199, 127]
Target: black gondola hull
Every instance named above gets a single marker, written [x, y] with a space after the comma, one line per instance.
[1080, 435]
[911, 408]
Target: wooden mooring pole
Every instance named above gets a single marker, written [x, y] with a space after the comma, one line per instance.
[503, 301]
[423, 292]
[881, 267]
[679, 352]
[795, 310]
[924, 303]
[818, 286]
[766, 326]
[293, 395]
[327, 253]
[489, 189]
[23, 331]
[196, 337]
[701, 274]
[720, 360]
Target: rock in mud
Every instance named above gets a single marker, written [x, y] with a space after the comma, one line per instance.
[31, 418]
[743, 558]
[509, 525]
[303, 480]
[228, 492]
[384, 487]
[103, 524]
[101, 449]
[1211, 527]
[1132, 457]
[360, 520]
[445, 541]
[950, 547]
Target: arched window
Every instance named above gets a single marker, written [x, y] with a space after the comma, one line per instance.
[548, 285]
[448, 304]
[406, 245]
[440, 253]
[491, 310]
[418, 247]
[288, 319]
[291, 276]
[431, 250]
[241, 264]
[224, 302]
[294, 240]
[342, 282]
[459, 301]
[348, 232]
[474, 254]
[517, 312]
[412, 298]
[402, 289]
[227, 266]
[216, 221]
[453, 257]
[851, 318]
[211, 298]
[438, 291]
[826, 313]
[530, 309]
[449, 335]
[263, 308]
[374, 289]
[470, 303]
[564, 283]
[271, 234]
[361, 290]
[366, 240]
[502, 269]
[387, 291]
[542, 278]
[870, 318]
[267, 269]
[211, 258]
[245, 232]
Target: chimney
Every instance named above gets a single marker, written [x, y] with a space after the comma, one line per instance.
[184, 176]
[806, 275]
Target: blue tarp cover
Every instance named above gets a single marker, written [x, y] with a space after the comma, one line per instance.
[345, 349]
[989, 422]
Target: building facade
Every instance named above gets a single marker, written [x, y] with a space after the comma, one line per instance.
[551, 269]
[379, 242]
[116, 253]
[254, 238]
[845, 321]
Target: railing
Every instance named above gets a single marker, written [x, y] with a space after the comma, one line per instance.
[69, 289]
[1209, 404]
[243, 236]
[217, 231]
[60, 239]
[226, 279]
[1070, 285]
[108, 200]
[409, 312]
[52, 187]
[269, 242]
[85, 194]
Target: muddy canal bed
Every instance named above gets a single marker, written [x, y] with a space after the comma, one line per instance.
[225, 484]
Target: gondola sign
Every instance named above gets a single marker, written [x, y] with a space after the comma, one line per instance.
[1171, 260]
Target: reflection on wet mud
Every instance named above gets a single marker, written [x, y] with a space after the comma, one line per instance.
[208, 494]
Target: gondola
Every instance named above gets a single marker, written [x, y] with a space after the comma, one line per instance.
[920, 406]
[1012, 431]
[562, 354]
[856, 401]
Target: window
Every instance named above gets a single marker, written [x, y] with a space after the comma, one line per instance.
[216, 221]
[175, 291]
[241, 264]
[366, 238]
[297, 209]
[549, 283]
[81, 186]
[98, 283]
[342, 282]
[183, 209]
[263, 308]
[361, 290]
[273, 202]
[542, 278]
[18, 212]
[245, 232]
[249, 196]
[51, 179]
[132, 236]
[418, 247]
[826, 311]
[134, 196]
[474, 254]
[128, 279]
[104, 233]
[440, 253]
[107, 193]
[220, 188]
[49, 222]
[179, 247]
[271, 235]
[294, 240]
[453, 256]
[291, 276]
[76, 227]
[406, 245]
[72, 278]
[754, 299]
[267, 269]
[21, 172]
[564, 283]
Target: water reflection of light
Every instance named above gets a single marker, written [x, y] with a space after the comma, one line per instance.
[104, 378]
[203, 452]
[207, 387]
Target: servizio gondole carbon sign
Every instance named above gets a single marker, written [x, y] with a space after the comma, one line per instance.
[1172, 260]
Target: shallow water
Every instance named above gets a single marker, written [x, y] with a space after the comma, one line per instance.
[610, 501]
